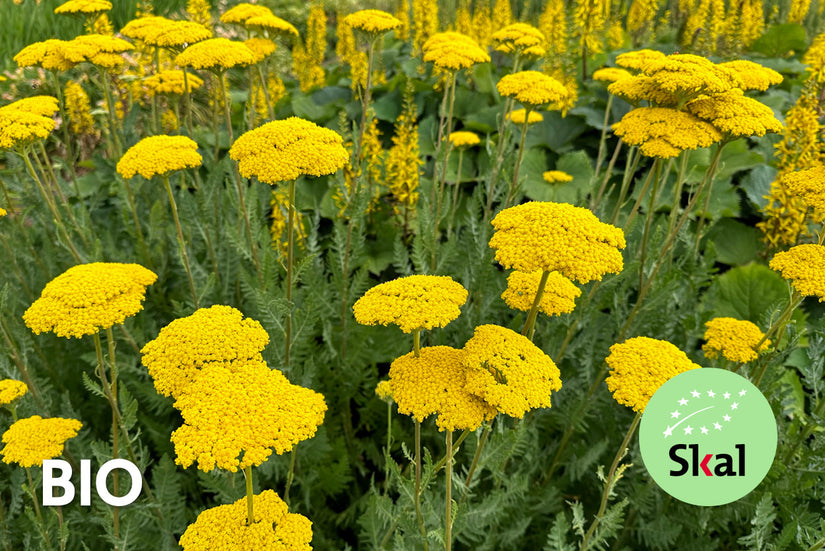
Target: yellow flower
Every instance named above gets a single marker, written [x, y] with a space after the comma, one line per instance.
[804, 265]
[171, 82]
[434, 384]
[78, 109]
[517, 116]
[809, 185]
[735, 114]
[753, 75]
[641, 88]
[43, 106]
[84, 7]
[225, 527]
[639, 366]
[3, 212]
[216, 54]
[663, 132]
[688, 75]
[462, 138]
[557, 237]
[175, 35]
[403, 162]
[283, 150]
[101, 50]
[26, 120]
[141, 27]
[159, 155]
[638, 59]
[532, 88]
[11, 390]
[384, 391]
[556, 177]
[372, 21]
[51, 54]
[240, 13]
[89, 297]
[735, 339]
[29, 441]
[508, 371]
[413, 302]
[559, 296]
[271, 23]
[215, 335]
[519, 38]
[261, 47]
[451, 51]
[234, 415]
[611, 74]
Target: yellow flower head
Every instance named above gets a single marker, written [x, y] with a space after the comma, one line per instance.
[225, 527]
[663, 132]
[89, 297]
[51, 54]
[283, 150]
[557, 237]
[809, 185]
[101, 50]
[735, 114]
[641, 88]
[753, 75]
[29, 441]
[171, 82]
[271, 23]
[141, 27]
[639, 366]
[463, 138]
[559, 296]
[26, 120]
[42, 106]
[518, 116]
[83, 7]
[216, 54]
[735, 339]
[11, 390]
[412, 303]
[508, 371]
[372, 21]
[804, 265]
[240, 13]
[519, 38]
[451, 51]
[556, 177]
[261, 47]
[215, 335]
[384, 391]
[638, 59]
[611, 74]
[688, 75]
[434, 383]
[233, 417]
[176, 35]
[3, 212]
[533, 88]
[159, 155]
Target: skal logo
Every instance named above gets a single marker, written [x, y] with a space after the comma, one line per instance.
[708, 436]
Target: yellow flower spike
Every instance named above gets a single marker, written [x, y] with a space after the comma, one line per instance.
[159, 156]
[29, 441]
[89, 297]
[559, 296]
[374, 22]
[11, 390]
[434, 384]
[235, 415]
[735, 114]
[533, 89]
[239, 14]
[225, 527]
[639, 366]
[451, 51]
[663, 132]
[218, 334]
[171, 82]
[78, 109]
[216, 54]
[753, 75]
[520, 38]
[463, 138]
[809, 185]
[558, 237]
[804, 265]
[611, 74]
[412, 303]
[735, 339]
[508, 371]
[518, 116]
[83, 7]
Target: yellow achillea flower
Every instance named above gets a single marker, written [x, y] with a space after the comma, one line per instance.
[753, 76]
[42, 106]
[271, 23]
[280, 151]
[216, 54]
[51, 54]
[384, 391]
[102, 50]
[159, 155]
[688, 75]
[3, 212]
[11, 390]
[235, 415]
[412, 303]
[735, 114]
[141, 27]
[463, 138]
[372, 21]
[27, 120]
[434, 384]
[638, 59]
[29, 441]
[78, 109]
[735, 339]
[610, 74]
[663, 132]
[532, 88]
[215, 335]
[557, 237]
[176, 35]
[639, 366]
[240, 13]
[261, 47]
[642, 88]
[556, 177]
[83, 7]
[809, 185]
[559, 296]
[520, 38]
[508, 371]
[225, 527]
[171, 82]
[89, 297]
[451, 51]
[804, 265]
[518, 116]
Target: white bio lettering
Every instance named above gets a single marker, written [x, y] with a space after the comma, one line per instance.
[50, 482]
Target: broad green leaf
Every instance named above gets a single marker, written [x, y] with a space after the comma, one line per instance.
[781, 40]
[736, 244]
[746, 292]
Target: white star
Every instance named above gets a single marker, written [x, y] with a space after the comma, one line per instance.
[711, 394]
[704, 430]
[695, 394]
[668, 432]
[683, 402]
[734, 405]
[742, 392]
[726, 395]
[688, 430]
[675, 414]
[717, 426]
[726, 417]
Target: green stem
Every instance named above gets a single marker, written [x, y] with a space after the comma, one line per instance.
[603, 138]
[448, 519]
[37, 510]
[514, 183]
[265, 86]
[290, 259]
[594, 203]
[61, 103]
[629, 170]
[290, 475]
[534, 309]
[365, 106]
[110, 341]
[456, 188]
[181, 242]
[110, 110]
[443, 461]
[654, 169]
[651, 211]
[778, 326]
[250, 515]
[482, 441]
[418, 514]
[503, 137]
[188, 105]
[809, 429]
[443, 177]
[46, 168]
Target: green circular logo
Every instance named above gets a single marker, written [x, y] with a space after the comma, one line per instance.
[708, 436]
